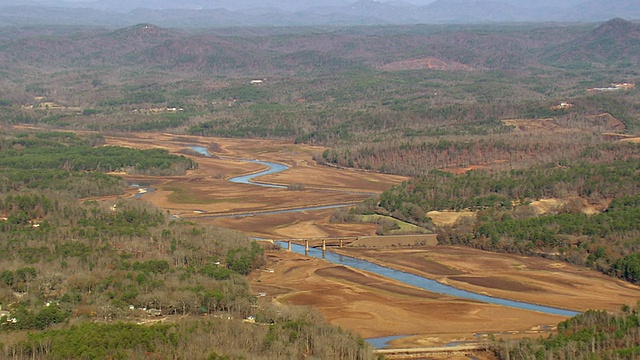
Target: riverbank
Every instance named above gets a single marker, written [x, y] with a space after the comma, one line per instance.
[376, 307]
[521, 278]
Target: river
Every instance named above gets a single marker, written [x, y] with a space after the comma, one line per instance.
[272, 168]
[422, 282]
[407, 278]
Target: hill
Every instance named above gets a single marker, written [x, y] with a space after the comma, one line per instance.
[613, 43]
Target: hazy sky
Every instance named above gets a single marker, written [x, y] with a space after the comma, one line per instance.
[283, 3]
[305, 12]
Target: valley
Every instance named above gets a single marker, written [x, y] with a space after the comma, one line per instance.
[497, 161]
[371, 305]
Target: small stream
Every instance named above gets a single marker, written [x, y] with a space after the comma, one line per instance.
[142, 189]
[274, 212]
[273, 168]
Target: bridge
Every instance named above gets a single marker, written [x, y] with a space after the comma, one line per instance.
[317, 242]
[364, 241]
[467, 350]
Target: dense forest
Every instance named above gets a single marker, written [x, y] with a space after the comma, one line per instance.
[377, 98]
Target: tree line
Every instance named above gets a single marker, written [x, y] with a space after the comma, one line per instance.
[595, 334]
[291, 333]
[64, 161]
[607, 241]
[439, 190]
[99, 267]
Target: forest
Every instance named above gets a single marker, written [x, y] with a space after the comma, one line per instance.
[77, 165]
[72, 268]
[592, 335]
[482, 118]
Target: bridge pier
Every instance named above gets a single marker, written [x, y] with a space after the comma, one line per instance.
[289, 245]
[340, 242]
[306, 245]
[324, 244]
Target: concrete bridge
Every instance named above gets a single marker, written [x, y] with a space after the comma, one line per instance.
[318, 242]
[363, 241]
[468, 350]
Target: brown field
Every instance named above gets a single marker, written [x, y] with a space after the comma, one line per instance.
[356, 300]
[443, 218]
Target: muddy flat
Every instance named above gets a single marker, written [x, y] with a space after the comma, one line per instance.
[530, 279]
[205, 194]
[376, 307]
[357, 300]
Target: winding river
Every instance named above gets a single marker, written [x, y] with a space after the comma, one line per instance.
[407, 278]
[272, 168]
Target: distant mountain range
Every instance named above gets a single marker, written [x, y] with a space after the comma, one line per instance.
[225, 13]
[251, 52]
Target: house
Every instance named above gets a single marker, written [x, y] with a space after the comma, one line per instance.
[154, 312]
[614, 87]
[562, 106]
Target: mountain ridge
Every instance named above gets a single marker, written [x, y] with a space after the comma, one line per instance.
[270, 50]
[613, 42]
[228, 13]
